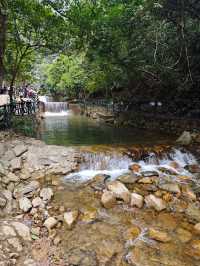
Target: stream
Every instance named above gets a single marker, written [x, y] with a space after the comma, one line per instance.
[119, 236]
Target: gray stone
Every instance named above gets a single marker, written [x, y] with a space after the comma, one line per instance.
[193, 212]
[37, 202]
[16, 164]
[119, 190]
[7, 230]
[14, 242]
[70, 218]
[50, 223]
[12, 177]
[137, 200]
[20, 149]
[108, 199]
[174, 188]
[3, 200]
[27, 190]
[8, 156]
[185, 138]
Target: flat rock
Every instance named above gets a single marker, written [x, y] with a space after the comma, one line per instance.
[159, 235]
[155, 202]
[108, 199]
[20, 149]
[171, 187]
[128, 179]
[119, 190]
[37, 202]
[22, 230]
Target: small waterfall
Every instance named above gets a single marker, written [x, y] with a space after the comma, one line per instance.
[115, 164]
[53, 108]
[56, 107]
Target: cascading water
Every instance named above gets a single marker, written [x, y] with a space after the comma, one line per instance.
[115, 164]
[53, 108]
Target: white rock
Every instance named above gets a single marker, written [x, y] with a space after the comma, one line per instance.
[157, 203]
[108, 199]
[37, 202]
[120, 190]
[137, 200]
[12, 177]
[70, 218]
[50, 223]
[25, 204]
[22, 230]
[46, 194]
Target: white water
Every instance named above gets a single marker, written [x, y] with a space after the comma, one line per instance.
[53, 114]
[115, 165]
[54, 108]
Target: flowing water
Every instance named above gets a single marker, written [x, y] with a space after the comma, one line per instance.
[118, 236]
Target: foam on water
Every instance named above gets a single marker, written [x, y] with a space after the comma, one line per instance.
[114, 164]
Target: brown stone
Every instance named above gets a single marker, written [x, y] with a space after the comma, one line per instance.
[159, 235]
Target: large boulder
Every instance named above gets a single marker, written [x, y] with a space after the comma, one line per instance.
[120, 190]
[108, 199]
[137, 200]
[155, 202]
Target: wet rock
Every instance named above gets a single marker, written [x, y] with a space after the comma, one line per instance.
[108, 199]
[197, 228]
[20, 149]
[25, 204]
[128, 179]
[149, 173]
[50, 223]
[119, 190]
[183, 235]
[16, 164]
[15, 243]
[174, 165]
[132, 233]
[167, 171]
[46, 194]
[193, 249]
[159, 235]
[38, 202]
[188, 193]
[171, 187]
[3, 200]
[137, 200]
[193, 168]
[70, 218]
[22, 230]
[89, 216]
[193, 212]
[135, 167]
[148, 180]
[157, 203]
[185, 138]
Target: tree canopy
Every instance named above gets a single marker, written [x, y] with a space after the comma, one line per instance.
[104, 46]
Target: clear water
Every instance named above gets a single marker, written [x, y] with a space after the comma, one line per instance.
[68, 128]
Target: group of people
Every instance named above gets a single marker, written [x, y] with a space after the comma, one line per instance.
[23, 92]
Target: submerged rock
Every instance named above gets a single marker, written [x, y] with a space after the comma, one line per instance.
[70, 218]
[185, 138]
[193, 212]
[159, 235]
[157, 203]
[183, 235]
[108, 199]
[119, 190]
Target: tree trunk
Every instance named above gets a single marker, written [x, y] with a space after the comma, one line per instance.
[3, 30]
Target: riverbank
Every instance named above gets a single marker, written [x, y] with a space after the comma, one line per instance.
[49, 216]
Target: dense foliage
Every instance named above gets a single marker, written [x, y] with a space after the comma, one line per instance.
[112, 48]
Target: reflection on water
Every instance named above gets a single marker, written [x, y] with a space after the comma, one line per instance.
[74, 129]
